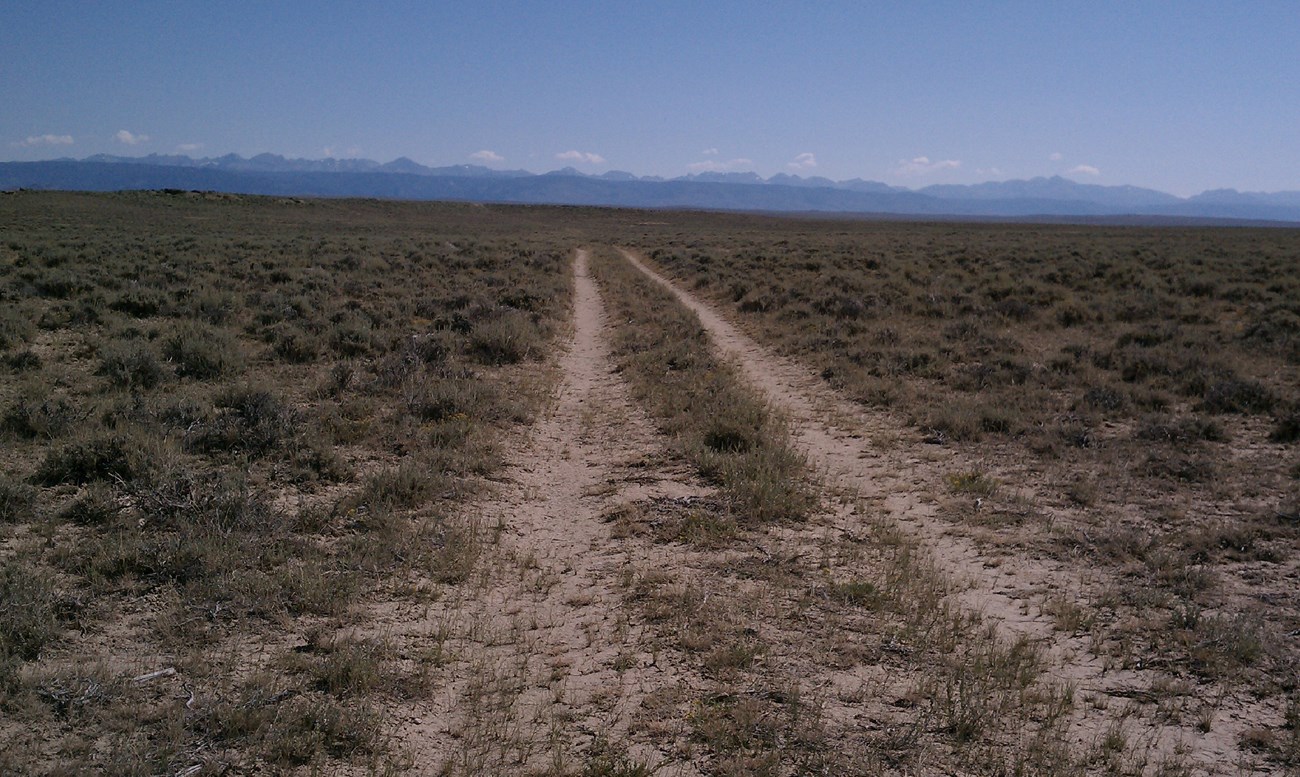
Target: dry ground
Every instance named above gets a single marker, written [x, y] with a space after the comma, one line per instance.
[666, 549]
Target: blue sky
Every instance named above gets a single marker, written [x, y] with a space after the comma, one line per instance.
[1180, 96]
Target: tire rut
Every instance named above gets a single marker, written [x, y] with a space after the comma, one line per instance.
[542, 654]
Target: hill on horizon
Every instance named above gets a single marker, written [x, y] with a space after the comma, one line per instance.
[404, 178]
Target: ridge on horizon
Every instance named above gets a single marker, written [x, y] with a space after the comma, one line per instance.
[991, 189]
[403, 178]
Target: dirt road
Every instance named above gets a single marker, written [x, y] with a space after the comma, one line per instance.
[890, 466]
[542, 655]
[540, 660]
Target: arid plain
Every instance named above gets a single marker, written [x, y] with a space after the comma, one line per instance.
[343, 486]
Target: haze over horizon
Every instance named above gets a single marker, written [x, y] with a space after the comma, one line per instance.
[1180, 97]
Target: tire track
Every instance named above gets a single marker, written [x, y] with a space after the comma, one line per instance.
[872, 456]
[544, 656]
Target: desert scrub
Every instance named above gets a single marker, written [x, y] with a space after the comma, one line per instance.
[121, 456]
[274, 417]
[16, 500]
[32, 416]
[202, 352]
[130, 365]
[700, 402]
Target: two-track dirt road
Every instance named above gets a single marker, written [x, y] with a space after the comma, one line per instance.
[540, 657]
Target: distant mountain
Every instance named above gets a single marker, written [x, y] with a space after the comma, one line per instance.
[1052, 198]
[1277, 199]
[274, 163]
[712, 177]
[1055, 188]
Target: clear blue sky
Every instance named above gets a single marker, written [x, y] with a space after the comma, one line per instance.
[1180, 96]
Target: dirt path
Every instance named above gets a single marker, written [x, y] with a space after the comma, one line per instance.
[874, 457]
[542, 655]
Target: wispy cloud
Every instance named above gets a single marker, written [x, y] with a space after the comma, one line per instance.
[803, 161]
[487, 156]
[923, 165]
[46, 140]
[130, 138]
[1083, 170]
[188, 147]
[709, 152]
[334, 153]
[1055, 156]
[714, 166]
[581, 156]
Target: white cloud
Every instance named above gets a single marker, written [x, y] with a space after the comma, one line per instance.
[1083, 170]
[47, 140]
[333, 153]
[581, 156]
[487, 156]
[923, 165]
[1055, 156]
[712, 166]
[803, 161]
[990, 171]
[188, 147]
[709, 152]
[130, 138]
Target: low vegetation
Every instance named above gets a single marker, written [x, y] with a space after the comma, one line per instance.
[234, 429]
[229, 424]
[1117, 400]
[717, 422]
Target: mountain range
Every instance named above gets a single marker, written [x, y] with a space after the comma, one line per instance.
[402, 178]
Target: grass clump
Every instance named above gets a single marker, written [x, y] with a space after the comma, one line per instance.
[29, 618]
[32, 417]
[249, 420]
[132, 366]
[112, 457]
[201, 352]
[973, 482]
[16, 501]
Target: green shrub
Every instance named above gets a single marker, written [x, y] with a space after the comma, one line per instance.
[29, 618]
[249, 420]
[96, 505]
[122, 457]
[1237, 396]
[1287, 428]
[16, 501]
[130, 366]
[972, 482]
[31, 417]
[15, 329]
[295, 345]
[220, 504]
[22, 361]
[440, 399]
[201, 352]
[351, 336]
[139, 302]
[509, 338]
[1180, 430]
